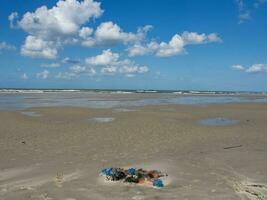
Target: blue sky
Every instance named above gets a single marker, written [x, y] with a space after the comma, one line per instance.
[186, 45]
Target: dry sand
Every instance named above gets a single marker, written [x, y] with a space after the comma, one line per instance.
[59, 154]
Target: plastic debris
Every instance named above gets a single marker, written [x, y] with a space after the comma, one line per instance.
[131, 171]
[133, 175]
[158, 183]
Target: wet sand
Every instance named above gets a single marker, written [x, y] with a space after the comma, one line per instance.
[59, 154]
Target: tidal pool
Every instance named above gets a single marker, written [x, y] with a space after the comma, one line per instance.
[31, 114]
[218, 121]
[102, 119]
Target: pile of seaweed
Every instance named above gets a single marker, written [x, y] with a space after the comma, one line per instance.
[135, 176]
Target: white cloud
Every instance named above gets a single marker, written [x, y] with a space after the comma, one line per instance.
[108, 33]
[65, 18]
[66, 75]
[111, 64]
[243, 11]
[110, 70]
[43, 75]
[133, 69]
[75, 71]
[85, 32]
[67, 60]
[24, 76]
[175, 46]
[56, 26]
[106, 58]
[139, 49]
[257, 68]
[37, 47]
[89, 42]
[238, 67]
[6, 46]
[11, 18]
[195, 38]
[246, 9]
[50, 65]
[86, 37]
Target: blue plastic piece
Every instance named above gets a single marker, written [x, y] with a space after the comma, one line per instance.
[158, 183]
[131, 171]
[107, 171]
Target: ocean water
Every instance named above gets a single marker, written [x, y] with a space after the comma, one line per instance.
[22, 99]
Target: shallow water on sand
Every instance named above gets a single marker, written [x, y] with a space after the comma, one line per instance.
[31, 114]
[218, 121]
[96, 100]
[102, 119]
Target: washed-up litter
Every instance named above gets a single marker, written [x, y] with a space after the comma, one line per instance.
[135, 176]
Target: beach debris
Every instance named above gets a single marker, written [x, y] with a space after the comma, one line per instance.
[133, 175]
[59, 179]
[253, 191]
[232, 147]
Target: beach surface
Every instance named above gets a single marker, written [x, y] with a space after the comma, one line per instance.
[58, 152]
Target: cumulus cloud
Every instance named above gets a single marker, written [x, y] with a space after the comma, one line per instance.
[175, 46]
[255, 68]
[6, 46]
[106, 58]
[43, 75]
[65, 18]
[51, 28]
[86, 37]
[238, 67]
[111, 64]
[85, 32]
[108, 33]
[37, 47]
[62, 24]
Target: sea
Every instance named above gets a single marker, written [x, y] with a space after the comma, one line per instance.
[19, 99]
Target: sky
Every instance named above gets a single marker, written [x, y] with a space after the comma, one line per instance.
[135, 44]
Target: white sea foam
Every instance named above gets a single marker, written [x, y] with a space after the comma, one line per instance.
[102, 119]
[31, 114]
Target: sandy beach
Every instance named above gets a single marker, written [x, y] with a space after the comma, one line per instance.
[58, 152]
